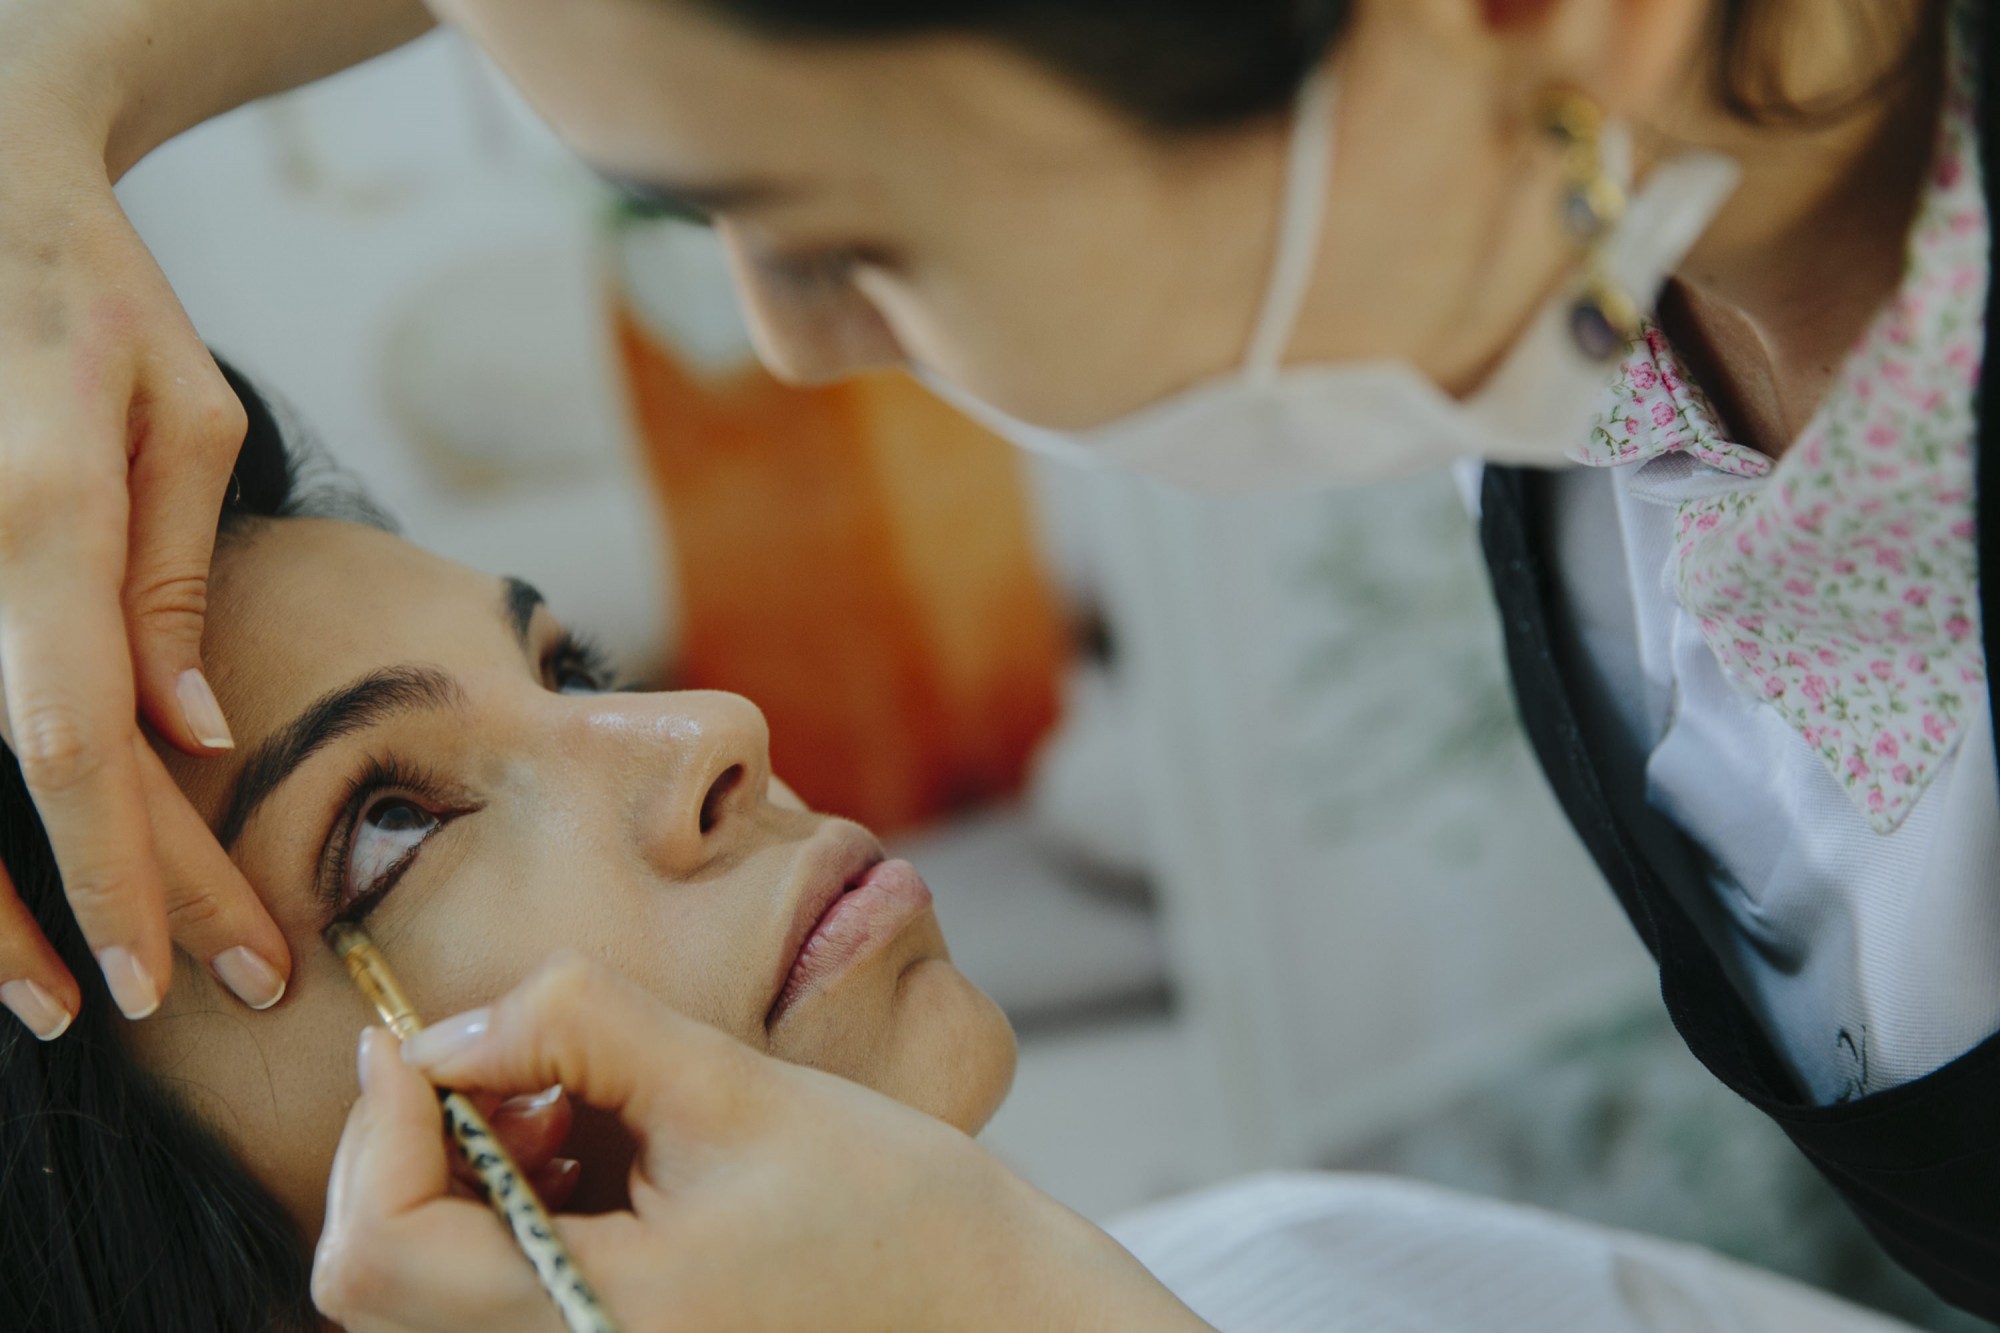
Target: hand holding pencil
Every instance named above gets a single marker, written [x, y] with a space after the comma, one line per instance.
[500, 1178]
[763, 1195]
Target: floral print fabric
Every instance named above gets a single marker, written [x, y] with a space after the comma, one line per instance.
[1840, 585]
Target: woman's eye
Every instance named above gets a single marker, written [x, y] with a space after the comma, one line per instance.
[581, 680]
[385, 835]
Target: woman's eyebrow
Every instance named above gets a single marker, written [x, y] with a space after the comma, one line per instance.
[356, 706]
[519, 601]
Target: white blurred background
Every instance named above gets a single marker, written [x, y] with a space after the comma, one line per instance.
[1287, 888]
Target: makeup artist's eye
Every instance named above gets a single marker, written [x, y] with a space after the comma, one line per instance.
[384, 837]
[823, 270]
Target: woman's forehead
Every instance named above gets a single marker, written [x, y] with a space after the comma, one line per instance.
[304, 605]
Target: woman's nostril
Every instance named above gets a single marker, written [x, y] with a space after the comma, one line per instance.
[718, 792]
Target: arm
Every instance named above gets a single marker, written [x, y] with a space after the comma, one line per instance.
[185, 61]
[138, 72]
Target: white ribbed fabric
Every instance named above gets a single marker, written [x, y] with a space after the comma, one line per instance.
[1873, 959]
[1359, 1254]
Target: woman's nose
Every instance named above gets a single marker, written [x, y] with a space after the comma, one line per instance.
[711, 772]
[810, 323]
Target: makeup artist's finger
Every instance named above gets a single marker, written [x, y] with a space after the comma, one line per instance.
[392, 1156]
[556, 1182]
[212, 911]
[34, 984]
[610, 1045]
[66, 668]
[187, 429]
[533, 1129]
[396, 1252]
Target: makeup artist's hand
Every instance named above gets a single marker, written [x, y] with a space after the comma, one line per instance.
[117, 439]
[763, 1195]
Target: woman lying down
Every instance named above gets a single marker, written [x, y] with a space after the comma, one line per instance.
[426, 748]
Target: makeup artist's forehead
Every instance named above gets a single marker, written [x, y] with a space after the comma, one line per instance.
[646, 88]
[304, 606]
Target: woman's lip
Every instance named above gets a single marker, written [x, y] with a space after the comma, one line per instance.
[869, 912]
[830, 863]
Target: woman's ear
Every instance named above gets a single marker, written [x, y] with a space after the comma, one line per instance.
[1632, 57]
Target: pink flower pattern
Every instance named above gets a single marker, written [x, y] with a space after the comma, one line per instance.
[1840, 587]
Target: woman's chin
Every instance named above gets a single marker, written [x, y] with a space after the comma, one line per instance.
[956, 1053]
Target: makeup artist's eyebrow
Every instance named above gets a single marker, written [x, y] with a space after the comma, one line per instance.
[519, 601]
[367, 702]
[696, 201]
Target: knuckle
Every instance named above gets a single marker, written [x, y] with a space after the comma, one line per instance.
[567, 983]
[219, 413]
[189, 391]
[192, 916]
[202, 419]
[348, 1276]
[56, 749]
[92, 893]
[173, 603]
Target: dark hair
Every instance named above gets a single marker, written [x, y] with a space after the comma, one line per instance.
[118, 1208]
[1189, 65]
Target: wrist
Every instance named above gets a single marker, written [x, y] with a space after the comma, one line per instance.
[62, 72]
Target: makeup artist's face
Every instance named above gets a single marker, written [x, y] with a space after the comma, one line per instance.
[423, 744]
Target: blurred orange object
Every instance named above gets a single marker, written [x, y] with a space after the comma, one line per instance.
[860, 561]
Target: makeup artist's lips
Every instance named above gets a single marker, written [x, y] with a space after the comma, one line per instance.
[853, 903]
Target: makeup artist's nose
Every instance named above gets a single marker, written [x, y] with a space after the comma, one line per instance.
[713, 770]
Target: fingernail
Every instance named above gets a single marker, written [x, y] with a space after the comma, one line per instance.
[203, 713]
[529, 1105]
[37, 1009]
[250, 978]
[442, 1041]
[132, 986]
[365, 1053]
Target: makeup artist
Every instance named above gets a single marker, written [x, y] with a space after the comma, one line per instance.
[1702, 283]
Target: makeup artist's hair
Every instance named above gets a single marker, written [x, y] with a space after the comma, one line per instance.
[1191, 65]
[118, 1209]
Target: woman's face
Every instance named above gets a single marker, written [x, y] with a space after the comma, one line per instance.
[950, 203]
[423, 743]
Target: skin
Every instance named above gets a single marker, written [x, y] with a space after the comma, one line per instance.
[588, 838]
[945, 201]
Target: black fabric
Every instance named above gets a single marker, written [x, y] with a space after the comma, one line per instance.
[1986, 35]
[1919, 1164]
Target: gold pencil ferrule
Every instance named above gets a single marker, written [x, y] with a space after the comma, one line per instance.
[371, 973]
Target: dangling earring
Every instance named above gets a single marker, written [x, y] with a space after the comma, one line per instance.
[1605, 318]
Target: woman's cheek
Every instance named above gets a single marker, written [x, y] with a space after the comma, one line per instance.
[784, 797]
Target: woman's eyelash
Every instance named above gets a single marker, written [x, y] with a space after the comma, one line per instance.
[574, 661]
[581, 658]
[379, 778]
